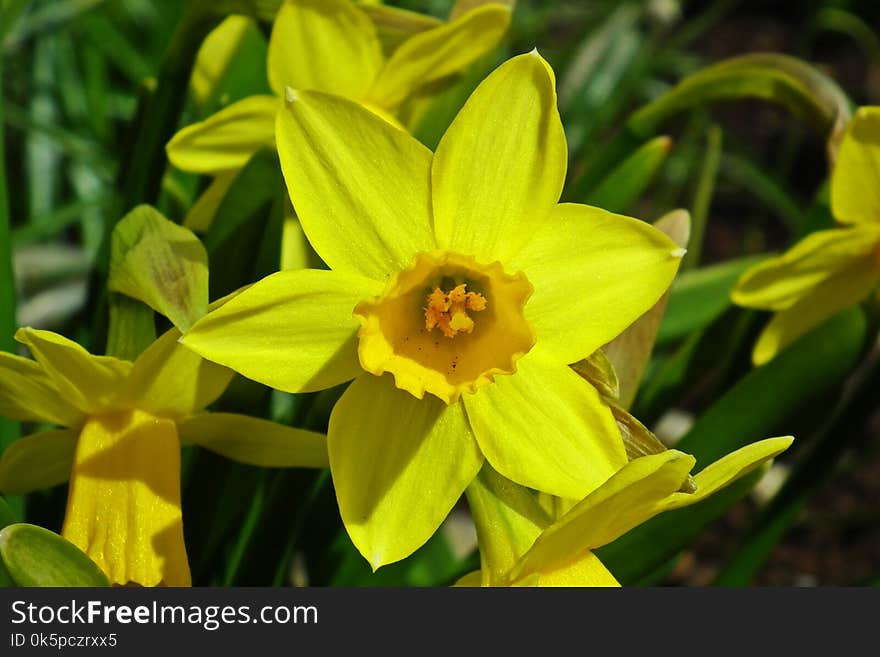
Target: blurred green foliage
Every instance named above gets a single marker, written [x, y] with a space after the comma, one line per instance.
[93, 88]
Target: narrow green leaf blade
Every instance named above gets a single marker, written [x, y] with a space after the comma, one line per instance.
[788, 81]
[626, 184]
[762, 400]
[699, 296]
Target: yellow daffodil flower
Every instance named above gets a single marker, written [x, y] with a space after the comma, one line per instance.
[521, 545]
[459, 292]
[332, 46]
[120, 447]
[828, 270]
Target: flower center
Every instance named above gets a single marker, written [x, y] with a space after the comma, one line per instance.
[448, 311]
[446, 325]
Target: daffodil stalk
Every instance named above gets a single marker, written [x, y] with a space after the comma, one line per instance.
[828, 270]
[459, 290]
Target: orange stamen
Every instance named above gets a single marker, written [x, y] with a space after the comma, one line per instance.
[448, 310]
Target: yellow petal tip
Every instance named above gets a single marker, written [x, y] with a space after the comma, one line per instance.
[679, 252]
[376, 562]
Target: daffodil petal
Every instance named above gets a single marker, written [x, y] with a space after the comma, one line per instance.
[41, 460]
[90, 383]
[216, 54]
[855, 180]
[844, 289]
[399, 464]
[123, 507]
[360, 187]
[226, 140]
[27, 394]
[594, 274]
[781, 282]
[546, 428]
[256, 441]
[171, 380]
[728, 469]
[584, 570]
[499, 169]
[293, 330]
[201, 214]
[328, 45]
[439, 52]
[472, 579]
[630, 497]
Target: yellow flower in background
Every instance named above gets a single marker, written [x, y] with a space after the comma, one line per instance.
[459, 292]
[828, 270]
[120, 448]
[560, 552]
[332, 46]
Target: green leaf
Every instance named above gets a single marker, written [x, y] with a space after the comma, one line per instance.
[246, 230]
[793, 83]
[433, 564]
[703, 194]
[699, 296]
[836, 438]
[619, 191]
[160, 263]
[34, 556]
[705, 361]
[131, 328]
[9, 429]
[751, 410]
[602, 75]
[763, 399]
[7, 517]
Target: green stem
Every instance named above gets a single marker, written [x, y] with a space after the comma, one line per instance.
[131, 327]
[703, 197]
[9, 430]
[7, 276]
[143, 160]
